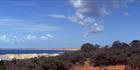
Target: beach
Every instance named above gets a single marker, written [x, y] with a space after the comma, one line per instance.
[9, 54]
[24, 56]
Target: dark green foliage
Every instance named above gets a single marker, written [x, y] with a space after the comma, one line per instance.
[54, 64]
[135, 43]
[74, 57]
[119, 45]
[3, 65]
[99, 58]
[118, 53]
[88, 47]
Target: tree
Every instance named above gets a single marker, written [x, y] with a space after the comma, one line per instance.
[119, 45]
[87, 47]
[135, 43]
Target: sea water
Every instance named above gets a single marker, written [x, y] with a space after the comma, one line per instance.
[31, 51]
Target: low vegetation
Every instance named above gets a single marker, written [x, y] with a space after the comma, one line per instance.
[119, 53]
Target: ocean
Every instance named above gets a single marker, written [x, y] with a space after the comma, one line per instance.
[31, 51]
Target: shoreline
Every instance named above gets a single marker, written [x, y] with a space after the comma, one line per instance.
[25, 56]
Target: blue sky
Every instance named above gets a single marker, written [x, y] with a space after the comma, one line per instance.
[67, 23]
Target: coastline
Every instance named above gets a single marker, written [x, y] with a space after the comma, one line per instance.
[65, 49]
[25, 56]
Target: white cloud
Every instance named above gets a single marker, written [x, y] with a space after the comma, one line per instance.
[23, 25]
[88, 11]
[36, 37]
[49, 36]
[46, 37]
[30, 37]
[13, 24]
[57, 16]
[96, 8]
[82, 20]
[37, 28]
[9, 39]
[43, 37]
[96, 28]
[126, 13]
[89, 7]
[3, 37]
[8, 19]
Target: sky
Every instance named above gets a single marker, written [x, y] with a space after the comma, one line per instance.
[67, 23]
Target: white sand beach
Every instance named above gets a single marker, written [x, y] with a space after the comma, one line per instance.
[23, 56]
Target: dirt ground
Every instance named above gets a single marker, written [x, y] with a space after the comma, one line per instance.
[86, 67]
